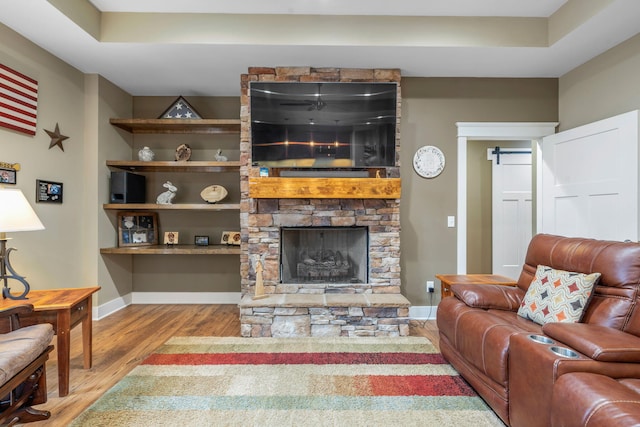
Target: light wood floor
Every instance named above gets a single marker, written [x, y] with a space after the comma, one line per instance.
[122, 340]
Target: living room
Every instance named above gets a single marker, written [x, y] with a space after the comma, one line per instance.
[82, 104]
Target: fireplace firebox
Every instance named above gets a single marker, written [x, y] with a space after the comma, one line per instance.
[324, 255]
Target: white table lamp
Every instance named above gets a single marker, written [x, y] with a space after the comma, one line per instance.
[15, 215]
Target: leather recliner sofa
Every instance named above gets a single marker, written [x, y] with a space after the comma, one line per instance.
[514, 363]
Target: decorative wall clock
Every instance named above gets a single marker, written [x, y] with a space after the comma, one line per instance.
[428, 161]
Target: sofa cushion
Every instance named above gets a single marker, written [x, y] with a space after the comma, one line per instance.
[21, 347]
[557, 295]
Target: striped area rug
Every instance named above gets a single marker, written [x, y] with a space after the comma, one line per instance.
[211, 381]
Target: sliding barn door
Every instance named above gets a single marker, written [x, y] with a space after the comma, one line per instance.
[590, 180]
[512, 211]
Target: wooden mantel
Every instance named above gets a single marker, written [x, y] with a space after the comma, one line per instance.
[323, 188]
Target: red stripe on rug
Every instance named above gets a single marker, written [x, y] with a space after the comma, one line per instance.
[295, 359]
[418, 385]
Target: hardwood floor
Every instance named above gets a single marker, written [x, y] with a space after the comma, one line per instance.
[122, 340]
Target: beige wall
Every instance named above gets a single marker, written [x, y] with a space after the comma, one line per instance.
[431, 107]
[55, 257]
[108, 100]
[603, 87]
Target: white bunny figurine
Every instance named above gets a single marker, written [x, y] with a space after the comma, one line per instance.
[166, 197]
[219, 157]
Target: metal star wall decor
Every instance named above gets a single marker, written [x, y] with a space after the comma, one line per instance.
[56, 138]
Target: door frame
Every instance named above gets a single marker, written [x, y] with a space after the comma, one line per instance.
[488, 131]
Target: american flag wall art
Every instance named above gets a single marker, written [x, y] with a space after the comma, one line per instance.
[18, 101]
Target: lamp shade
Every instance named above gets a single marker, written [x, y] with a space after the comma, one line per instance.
[16, 213]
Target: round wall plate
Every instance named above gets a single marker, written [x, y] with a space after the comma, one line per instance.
[428, 161]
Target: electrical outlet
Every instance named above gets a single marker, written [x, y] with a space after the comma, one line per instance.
[430, 286]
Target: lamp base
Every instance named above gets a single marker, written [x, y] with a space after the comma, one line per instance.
[5, 265]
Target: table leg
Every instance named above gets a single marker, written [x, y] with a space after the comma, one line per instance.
[87, 334]
[64, 348]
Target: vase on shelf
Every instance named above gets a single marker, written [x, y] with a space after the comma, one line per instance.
[145, 154]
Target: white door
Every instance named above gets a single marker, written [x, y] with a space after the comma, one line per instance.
[590, 180]
[512, 210]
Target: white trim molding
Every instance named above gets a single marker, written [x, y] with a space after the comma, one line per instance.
[119, 303]
[487, 131]
[425, 312]
[185, 297]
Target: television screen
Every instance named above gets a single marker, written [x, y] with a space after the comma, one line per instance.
[323, 125]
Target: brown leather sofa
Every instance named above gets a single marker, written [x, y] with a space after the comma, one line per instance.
[493, 348]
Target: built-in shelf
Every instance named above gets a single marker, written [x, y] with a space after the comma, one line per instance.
[173, 207]
[175, 166]
[191, 126]
[174, 250]
[324, 188]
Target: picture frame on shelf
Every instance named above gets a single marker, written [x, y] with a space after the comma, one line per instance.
[171, 238]
[137, 229]
[230, 238]
[201, 240]
[48, 191]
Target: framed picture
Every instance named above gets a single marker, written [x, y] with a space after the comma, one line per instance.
[202, 241]
[171, 237]
[8, 176]
[48, 191]
[137, 228]
[230, 238]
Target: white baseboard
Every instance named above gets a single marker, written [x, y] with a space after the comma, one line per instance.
[114, 305]
[111, 307]
[185, 297]
[425, 312]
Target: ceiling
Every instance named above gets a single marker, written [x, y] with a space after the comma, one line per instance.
[200, 47]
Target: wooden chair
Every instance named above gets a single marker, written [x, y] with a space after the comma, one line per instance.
[27, 386]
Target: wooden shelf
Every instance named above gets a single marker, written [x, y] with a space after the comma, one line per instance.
[174, 250]
[173, 166]
[200, 126]
[173, 207]
[324, 188]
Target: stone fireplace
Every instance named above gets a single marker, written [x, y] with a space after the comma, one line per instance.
[330, 261]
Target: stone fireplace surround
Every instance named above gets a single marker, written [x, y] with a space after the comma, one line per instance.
[375, 308]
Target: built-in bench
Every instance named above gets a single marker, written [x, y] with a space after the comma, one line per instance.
[321, 315]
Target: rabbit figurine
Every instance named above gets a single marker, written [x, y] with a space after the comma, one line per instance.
[219, 157]
[166, 197]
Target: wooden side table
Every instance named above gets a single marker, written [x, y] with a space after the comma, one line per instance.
[64, 309]
[446, 280]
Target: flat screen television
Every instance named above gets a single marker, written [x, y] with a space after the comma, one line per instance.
[323, 125]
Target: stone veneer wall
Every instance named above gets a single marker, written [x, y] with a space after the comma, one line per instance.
[260, 220]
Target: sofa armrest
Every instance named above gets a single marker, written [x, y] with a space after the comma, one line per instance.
[596, 341]
[489, 296]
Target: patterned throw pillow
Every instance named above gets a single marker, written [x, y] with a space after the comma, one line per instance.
[557, 295]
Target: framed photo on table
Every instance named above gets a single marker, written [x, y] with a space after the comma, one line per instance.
[137, 228]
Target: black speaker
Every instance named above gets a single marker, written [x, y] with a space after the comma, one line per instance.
[127, 187]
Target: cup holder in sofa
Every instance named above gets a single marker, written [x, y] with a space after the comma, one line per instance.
[541, 339]
[564, 352]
